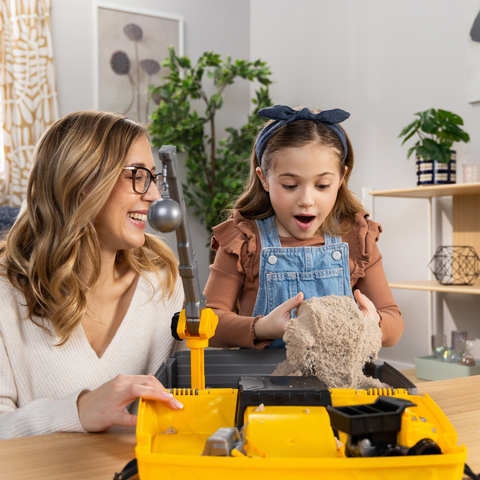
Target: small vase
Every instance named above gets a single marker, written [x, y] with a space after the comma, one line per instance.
[433, 172]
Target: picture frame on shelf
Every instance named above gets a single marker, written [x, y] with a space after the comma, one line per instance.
[130, 46]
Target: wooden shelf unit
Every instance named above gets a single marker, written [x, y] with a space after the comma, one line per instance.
[434, 286]
[432, 191]
[465, 224]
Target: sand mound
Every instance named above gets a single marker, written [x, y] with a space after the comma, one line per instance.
[331, 339]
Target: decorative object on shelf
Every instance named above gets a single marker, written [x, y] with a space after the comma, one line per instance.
[439, 346]
[433, 172]
[459, 340]
[430, 368]
[471, 172]
[467, 358]
[455, 265]
[438, 131]
[461, 349]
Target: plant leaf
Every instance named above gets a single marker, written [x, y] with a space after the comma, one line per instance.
[414, 125]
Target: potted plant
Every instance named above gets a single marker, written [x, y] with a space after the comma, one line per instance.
[216, 169]
[438, 131]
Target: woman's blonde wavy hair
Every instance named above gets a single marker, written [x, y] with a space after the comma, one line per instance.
[254, 203]
[76, 164]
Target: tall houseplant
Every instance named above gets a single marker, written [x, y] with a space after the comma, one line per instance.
[437, 130]
[216, 170]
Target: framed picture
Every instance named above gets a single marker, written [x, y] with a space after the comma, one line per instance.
[473, 76]
[130, 47]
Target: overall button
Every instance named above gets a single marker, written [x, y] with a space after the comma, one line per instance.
[272, 260]
[336, 255]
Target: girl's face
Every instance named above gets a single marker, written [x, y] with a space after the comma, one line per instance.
[303, 184]
[121, 223]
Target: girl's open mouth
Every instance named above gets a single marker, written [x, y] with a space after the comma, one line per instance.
[304, 221]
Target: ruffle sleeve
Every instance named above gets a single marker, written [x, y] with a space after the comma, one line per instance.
[362, 243]
[237, 236]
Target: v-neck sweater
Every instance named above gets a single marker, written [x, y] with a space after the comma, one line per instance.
[40, 382]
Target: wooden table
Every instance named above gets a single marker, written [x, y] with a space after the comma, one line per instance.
[97, 456]
[67, 456]
[459, 398]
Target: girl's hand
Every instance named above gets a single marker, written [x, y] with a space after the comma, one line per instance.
[104, 407]
[273, 325]
[366, 306]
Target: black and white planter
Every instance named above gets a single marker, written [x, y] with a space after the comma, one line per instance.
[433, 172]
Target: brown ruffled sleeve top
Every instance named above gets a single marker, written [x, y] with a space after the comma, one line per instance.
[233, 283]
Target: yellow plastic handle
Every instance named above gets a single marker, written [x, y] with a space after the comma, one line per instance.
[197, 343]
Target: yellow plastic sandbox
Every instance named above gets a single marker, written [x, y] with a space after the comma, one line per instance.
[282, 442]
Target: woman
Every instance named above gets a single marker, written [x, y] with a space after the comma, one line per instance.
[87, 296]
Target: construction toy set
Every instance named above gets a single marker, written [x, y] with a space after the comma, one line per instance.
[238, 421]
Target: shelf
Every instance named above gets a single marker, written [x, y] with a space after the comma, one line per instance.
[431, 191]
[434, 286]
[465, 200]
[465, 208]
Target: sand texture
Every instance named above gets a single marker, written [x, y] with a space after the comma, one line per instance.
[331, 339]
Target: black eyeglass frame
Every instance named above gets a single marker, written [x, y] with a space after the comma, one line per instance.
[155, 178]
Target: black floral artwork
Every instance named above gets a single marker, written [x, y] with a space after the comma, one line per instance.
[137, 72]
[120, 63]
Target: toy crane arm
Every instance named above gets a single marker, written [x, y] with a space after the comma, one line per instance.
[195, 300]
[196, 323]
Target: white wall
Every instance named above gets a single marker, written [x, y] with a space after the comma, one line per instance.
[210, 25]
[382, 61]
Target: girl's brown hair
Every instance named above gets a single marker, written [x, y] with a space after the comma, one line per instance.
[76, 164]
[255, 203]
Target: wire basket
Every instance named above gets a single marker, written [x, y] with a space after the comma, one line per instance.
[455, 265]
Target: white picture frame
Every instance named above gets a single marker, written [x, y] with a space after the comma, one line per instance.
[130, 45]
[473, 74]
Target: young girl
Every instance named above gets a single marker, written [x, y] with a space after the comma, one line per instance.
[296, 232]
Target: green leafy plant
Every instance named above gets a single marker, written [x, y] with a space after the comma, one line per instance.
[216, 170]
[438, 131]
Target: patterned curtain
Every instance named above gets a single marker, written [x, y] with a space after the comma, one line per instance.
[28, 97]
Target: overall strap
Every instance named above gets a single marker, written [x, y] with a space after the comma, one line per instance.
[330, 240]
[268, 232]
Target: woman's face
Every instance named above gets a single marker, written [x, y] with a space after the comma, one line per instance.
[303, 184]
[121, 223]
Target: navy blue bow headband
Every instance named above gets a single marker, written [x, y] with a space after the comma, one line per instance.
[283, 115]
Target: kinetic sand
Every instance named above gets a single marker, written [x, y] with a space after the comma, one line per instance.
[331, 339]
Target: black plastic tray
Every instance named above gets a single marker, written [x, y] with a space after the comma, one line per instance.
[271, 391]
[223, 368]
[384, 416]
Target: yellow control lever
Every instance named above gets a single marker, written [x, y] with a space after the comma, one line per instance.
[197, 343]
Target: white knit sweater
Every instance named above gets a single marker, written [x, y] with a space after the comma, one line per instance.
[40, 383]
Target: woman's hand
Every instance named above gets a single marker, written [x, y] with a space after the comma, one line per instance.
[104, 407]
[273, 325]
[366, 306]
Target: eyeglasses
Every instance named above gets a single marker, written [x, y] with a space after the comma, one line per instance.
[141, 179]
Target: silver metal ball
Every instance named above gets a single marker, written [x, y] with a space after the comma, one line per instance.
[165, 215]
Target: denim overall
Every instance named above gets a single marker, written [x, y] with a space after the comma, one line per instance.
[285, 272]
